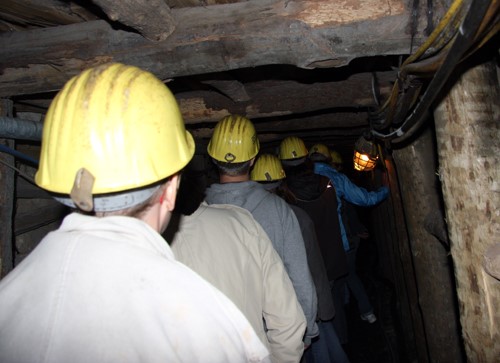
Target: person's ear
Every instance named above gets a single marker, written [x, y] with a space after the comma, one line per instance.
[170, 193]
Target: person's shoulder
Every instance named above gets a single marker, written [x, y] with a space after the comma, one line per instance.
[323, 166]
[245, 227]
[282, 204]
[229, 213]
[300, 213]
[227, 209]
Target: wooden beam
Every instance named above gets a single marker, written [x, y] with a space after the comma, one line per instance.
[275, 99]
[433, 267]
[41, 13]
[307, 34]
[233, 89]
[268, 99]
[335, 125]
[327, 120]
[316, 135]
[467, 132]
[151, 18]
[6, 199]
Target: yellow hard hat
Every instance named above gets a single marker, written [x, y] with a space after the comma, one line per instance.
[320, 149]
[120, 124]
[335, 156]
[292, 147]
[234, 140]
[267, 168]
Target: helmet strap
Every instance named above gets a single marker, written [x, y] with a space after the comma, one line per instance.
[81, 193]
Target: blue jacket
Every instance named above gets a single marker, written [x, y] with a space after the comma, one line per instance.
[349, 191]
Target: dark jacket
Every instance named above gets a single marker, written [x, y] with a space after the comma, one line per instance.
[326, 309]
[314, 194]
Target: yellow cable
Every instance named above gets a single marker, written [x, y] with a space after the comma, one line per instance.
[450, 14]
[439, 32]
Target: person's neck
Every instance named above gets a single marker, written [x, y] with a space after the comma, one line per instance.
[224, 179]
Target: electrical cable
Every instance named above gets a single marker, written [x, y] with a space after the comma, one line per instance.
[464, 38]
[36, 226]
[18, 155]
[448, 17]
[453, 16]
[23, 175]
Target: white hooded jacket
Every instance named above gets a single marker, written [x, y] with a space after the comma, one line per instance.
[110, 290]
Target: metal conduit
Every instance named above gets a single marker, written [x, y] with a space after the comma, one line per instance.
[18, 129]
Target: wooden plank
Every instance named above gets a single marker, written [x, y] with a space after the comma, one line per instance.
[390, 226]
[216, 38]
[433, 267]
[26, 190]
[6, 199]
[33, 214]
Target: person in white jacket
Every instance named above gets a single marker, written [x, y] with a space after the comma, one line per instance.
[105, 287]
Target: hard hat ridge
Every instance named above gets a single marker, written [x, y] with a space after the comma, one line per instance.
[320, 149]
[267, 168]
[234, 140]
[292, 147]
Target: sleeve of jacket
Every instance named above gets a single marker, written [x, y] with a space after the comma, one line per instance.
[350, 191]
[295, 261]
[282, 313]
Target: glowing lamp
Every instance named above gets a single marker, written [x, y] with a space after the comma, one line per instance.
[365, 155]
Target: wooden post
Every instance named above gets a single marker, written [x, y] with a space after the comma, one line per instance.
[6, 198]
[433, 268]
[467, 130]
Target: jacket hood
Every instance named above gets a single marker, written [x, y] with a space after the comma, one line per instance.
[307, 187]
[247, 194]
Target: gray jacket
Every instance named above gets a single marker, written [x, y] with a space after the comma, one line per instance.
[278, 220]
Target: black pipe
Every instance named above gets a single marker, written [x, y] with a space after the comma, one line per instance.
[18, 129]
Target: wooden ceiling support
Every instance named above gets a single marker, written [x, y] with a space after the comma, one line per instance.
[217, 38]
[151, 18]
